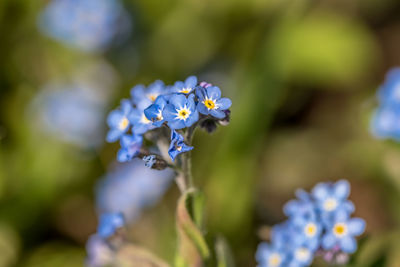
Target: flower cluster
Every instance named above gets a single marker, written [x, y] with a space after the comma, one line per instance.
[89, 25]
[153, 109]
[319, 223]
[386, 119]
[100, 250]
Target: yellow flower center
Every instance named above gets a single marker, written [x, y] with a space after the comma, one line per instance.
[209, 104]
[302, 254]
[152, 97]
[185, 90]
[310, 229]
[274, 259]
[123, 123]
[330, 204]
[183, 113]
[144, 119]
[340, 229]
[179, 148]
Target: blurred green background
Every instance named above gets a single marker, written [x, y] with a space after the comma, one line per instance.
[302, 76]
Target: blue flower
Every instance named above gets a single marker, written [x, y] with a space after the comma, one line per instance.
[130, 147]
[109, 224]
[90, 25]
[386, 122]
[177, 145]
[331, 198]
[210, 102]
[301, 256]
[99, 252]
[118, 121]
[181, 111]
[389, 92]
[186, 87]
[130, 188]
[341, 232]
[303, 207]
[143, 97]
[139, 121]
[154, 112]
[270, 256]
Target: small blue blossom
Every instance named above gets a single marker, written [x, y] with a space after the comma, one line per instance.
[143, 97]
[149, 161]
[386, 122]
[131, 188]
[341, 232]
[186, 87]
[118, 121]
[90, 25]
[154, 112]
[109, 224]
[211, 103]
[389, 92]
[331, 198]
[180, 112]
[270, 256]
[130, 147]
[99, 252]
[177, 145]
[139, 121]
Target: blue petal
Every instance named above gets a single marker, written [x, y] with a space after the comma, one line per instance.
[169, 113]
[200, 92]
[114, 118]
[320, 191]
[341, 189]
[356, 226]
[192, 118]
[113, 135]
[126, 106]
[328, 241]
[178, 100]
[137, 93]
[202, 108]
[176, 124]
[152, 112]
[348, 244]
[135, 116]
[213, 92]
[123, 155]
[190, 102]
[224, 103]
[173, 153]
[191, 81]
[217, 113]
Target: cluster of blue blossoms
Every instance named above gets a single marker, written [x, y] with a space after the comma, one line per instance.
[179, 107]
[318, 223]
[386, 119]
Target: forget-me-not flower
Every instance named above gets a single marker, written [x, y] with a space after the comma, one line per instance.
[140, 123]
[186, 87]
[130, 147]
[385, 122]
[389, 92]
[180, 112]
[118, 121]
[143, 96]
[211, 103]
[177, 145]
[154, 112]
[109, 224]
[269, 256]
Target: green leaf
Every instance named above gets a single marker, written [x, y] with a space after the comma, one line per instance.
[193, 249]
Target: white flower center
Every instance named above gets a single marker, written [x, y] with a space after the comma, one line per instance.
[302, 254]
[310, 229]
[330, 204]
[274, 260]
[123, 124]
[183, 113]
[340, 229]
[186, 90]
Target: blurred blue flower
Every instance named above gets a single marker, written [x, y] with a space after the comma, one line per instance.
[130, 147]
[109, 224]
[389, 92]
[331, 198]
[186, 87]
[177, 145]
[131, 188]
[385, 122]
[140, 122]
[210, 102]
[301, 256]
[143, 97]
[180, 112]
[99, 252]
[303, 207]
[270, 256]
[155, 111]
[118, 121]
[341, 233]
[90, 25]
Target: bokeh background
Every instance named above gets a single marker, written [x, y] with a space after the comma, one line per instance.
[302, 76]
